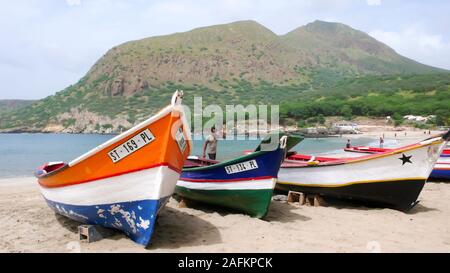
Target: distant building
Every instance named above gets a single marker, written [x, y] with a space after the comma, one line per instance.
[418, 118]
[345, 127]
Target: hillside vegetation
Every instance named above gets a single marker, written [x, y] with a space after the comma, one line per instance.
[378, 96]
[237, 63]
[11, 105]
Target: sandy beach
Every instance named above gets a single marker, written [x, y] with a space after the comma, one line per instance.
[28, 225]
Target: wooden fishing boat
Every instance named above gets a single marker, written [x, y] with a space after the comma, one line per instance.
[391, 179]
[367, 150]
[124, 182]
[244, 184]
[446, 153]
[440, 171]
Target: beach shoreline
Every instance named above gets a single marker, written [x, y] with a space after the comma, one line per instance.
[28, 225]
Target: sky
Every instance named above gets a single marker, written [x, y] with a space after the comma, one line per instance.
[47, 45]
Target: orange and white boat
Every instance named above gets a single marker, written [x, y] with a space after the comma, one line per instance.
[124, 182]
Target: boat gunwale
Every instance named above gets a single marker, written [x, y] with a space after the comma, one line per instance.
[226, 162]
[162, 113]
[367, 157]
[163, 164]
[60, 169]
[169, 109]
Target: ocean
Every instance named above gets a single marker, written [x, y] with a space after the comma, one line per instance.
[21, 154]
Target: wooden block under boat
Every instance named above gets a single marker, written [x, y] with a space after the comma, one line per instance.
[293, 196]
[306, 199]
[91, 233]
[182, 203]
[319, 201]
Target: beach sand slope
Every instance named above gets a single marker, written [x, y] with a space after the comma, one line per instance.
[28, 225]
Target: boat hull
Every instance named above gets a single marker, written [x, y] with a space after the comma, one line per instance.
[396, 178]
[124, 182]
[440, 174]
[243, 196]
[441, 170]
[249, 191]
[136, 218]
[129, 202]
[397, 194]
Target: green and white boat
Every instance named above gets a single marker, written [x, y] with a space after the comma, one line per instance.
[243, 184]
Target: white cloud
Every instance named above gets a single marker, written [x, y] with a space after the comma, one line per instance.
[373, 2]
[417, 43]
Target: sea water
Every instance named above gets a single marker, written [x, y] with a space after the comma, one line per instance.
[21, 154]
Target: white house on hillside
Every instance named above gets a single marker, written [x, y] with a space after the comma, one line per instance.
[345, 127]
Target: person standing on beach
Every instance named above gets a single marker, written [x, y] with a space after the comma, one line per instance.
[348, 145]
[210, 145]
[381, 142]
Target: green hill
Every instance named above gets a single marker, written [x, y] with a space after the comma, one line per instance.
[237, 63]
[378, 96]
[11, 105]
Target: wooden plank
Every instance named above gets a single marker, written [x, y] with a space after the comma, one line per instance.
[293, 196]
[302, 199]
[91, 233]
[319, 201]
[310, 200]
[182, 203]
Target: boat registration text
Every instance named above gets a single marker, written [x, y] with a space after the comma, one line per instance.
[132, 145]
[241, 167]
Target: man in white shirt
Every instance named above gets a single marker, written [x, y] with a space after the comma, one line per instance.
[210, 145]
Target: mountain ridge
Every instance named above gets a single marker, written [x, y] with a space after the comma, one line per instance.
[239, 62]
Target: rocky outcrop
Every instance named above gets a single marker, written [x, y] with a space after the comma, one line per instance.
[117, 87]
[83, 121]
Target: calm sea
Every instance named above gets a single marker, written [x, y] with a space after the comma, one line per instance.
[20, 154]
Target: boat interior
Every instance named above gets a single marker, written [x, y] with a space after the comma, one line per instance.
[367, 149]
[49, 168]
[195, 161]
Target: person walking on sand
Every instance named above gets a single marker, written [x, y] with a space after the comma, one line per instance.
[381, 142]
[348, 145]
[210, 145]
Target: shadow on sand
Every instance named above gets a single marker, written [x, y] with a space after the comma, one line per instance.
[419, 208]
[282, 212]
[67, 223]
[359, 205]
[278, 211]
[173, 229]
